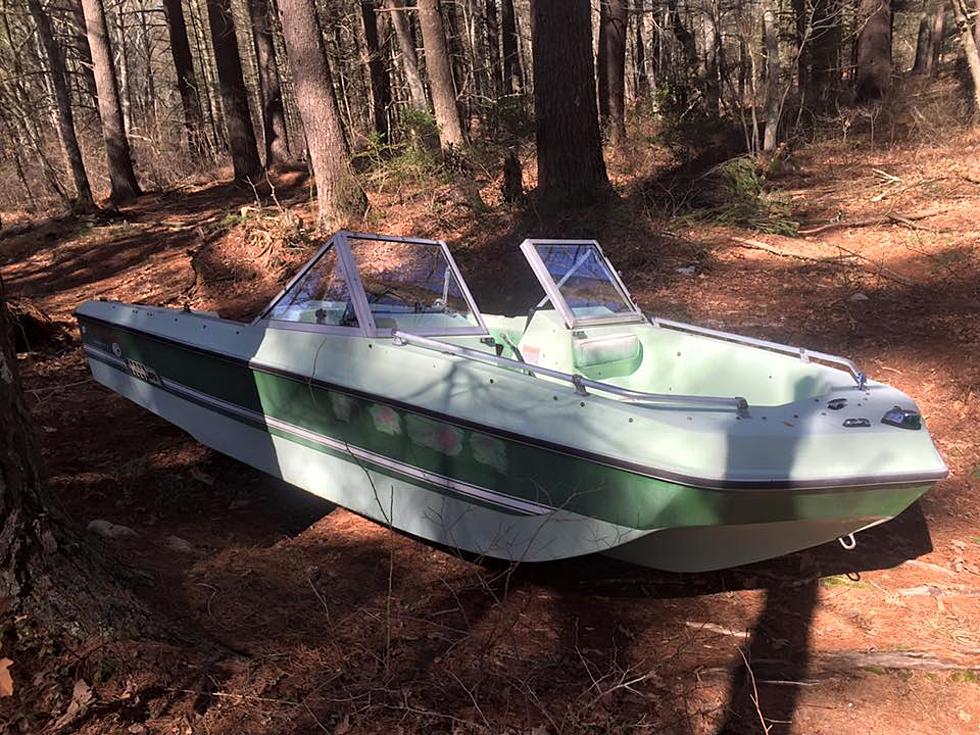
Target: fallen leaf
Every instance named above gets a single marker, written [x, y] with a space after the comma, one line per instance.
[81, 699]
[6, 682]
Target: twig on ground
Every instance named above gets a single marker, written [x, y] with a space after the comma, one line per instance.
[766, 727]
[894, 219]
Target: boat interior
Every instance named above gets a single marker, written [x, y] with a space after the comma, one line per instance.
[586, 330]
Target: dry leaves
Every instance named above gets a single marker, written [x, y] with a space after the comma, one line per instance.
[6, 682]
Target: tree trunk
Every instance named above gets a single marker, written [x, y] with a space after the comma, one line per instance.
[273, 112]
[410, 61]
[648, 34]
[612, 69]
[440, 73]
[969, 43]
[571, 170]
[513, 74]
[824, 73]
[180, 50]
[710, 79]
[492, 29]
[122, 63]
[380, 83]
[49, 574]
[80, 42]
[66, 121]
[874, 50]
[234, 96]
[773, 87]
[930, 38]
[121, 175]
[339, 196]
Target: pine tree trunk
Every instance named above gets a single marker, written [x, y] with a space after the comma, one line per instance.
[929, 40]
[874, 50]
[380, 83]
[612, 69]
[339, 197]
[440, 73]
[492, 29]
[180, 50]
[969, 42]
[571, 170]
[47, 572]
[409, 57]
[824, 73]
[773, 88]
[513, 74]
[66, 120]
[234, 96]
[273, 113]
[122, 178]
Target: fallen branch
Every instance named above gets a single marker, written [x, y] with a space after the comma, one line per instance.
[888, 219]
[878, 268]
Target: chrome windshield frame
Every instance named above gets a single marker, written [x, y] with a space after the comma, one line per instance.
[553, 290]
[367, 327]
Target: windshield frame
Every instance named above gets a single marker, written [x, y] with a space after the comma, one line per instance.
[355, 288]
[553, 290]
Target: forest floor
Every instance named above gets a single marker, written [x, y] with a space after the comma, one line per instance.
[329, 623]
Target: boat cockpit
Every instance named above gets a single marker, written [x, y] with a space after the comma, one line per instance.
[587, 330]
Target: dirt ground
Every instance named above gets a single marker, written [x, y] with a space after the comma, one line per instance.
[320, 621]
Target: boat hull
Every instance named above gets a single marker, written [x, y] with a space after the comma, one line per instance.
[469, 487]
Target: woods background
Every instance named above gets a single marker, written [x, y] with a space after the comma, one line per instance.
[109, 97]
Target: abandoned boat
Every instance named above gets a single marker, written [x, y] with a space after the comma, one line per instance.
[374, 381]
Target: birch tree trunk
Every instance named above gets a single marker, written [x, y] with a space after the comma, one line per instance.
[969, 43]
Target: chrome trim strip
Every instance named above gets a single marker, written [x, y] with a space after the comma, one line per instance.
[579, 383]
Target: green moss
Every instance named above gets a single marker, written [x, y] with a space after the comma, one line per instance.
[842, 580]
[967, 676]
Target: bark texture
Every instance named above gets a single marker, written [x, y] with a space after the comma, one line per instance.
[969, 42]
[339, 197]
[513, 73]
[571, 170]
[440, 73]
[874, 50]
[612, 69]
[773, 87]
[273, 113]
[409, 57]
[492, 30]
[234, 96]
[378, 74]
[180, 50]
[47, 572]
[930, 38]
[122, 178]
[82, 50]
[66, 120]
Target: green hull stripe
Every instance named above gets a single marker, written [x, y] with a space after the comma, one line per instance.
[483, 458]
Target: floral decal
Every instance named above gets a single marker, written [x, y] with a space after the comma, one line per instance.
[489, 451]
[386, 419]
[434, 435]
[342, 406]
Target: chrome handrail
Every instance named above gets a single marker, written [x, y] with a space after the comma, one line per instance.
[580, 383]
[803, 353]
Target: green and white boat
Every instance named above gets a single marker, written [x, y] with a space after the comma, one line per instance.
[373, 380]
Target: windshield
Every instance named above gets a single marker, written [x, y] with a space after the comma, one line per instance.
[319, 297]
[584, 280]
[411, 286]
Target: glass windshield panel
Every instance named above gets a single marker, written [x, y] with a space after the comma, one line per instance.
[411, 286]
[584, 280]
[319, 297]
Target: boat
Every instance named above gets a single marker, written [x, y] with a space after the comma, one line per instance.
[584, 426]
